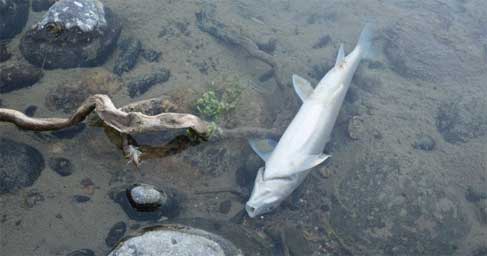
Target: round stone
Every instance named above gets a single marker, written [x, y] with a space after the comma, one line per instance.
[146, 194]
[176, 240]
[13, 16]
[20, 165]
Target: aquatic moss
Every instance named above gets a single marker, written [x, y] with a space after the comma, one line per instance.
[216, 102]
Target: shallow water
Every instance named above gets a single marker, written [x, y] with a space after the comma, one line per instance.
[386, 191]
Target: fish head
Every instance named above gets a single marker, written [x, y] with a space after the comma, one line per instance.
[266, 196]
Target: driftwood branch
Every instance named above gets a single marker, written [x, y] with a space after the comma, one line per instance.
[130, 120]
[123, 122]
[208, 23]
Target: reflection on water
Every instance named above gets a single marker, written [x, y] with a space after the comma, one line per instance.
[408, 173]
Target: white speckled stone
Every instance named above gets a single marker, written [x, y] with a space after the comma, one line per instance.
[84, 14]
[171, 243]
[145, 194]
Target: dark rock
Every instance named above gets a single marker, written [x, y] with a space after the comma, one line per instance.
[481, 251]
[374, 64]
[18, 76]
[151, 55]
[61, 166]
[42, 5]
[245, 175]
[169, 209]
[20, 165]
[128, 52]
[322, 42]
[461, 120]
[65, 98]
[81, 252]
[225, 206]
[296, 242]
[266, 76]
[30, 110]
[474, 196]
[142, 84]
[424, 142]
[13, 17]
[268, 47]
[116, 233]
[72, 35]
[4, 54]
[81, 199]
[70, 132]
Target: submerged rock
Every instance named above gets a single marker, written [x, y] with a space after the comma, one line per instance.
[13, 16]
[116, 233]
[61, 166]
[143, 202]
[72, 34]
[462, 120]
[151, 55]
[142, 84]
[20, 165]
[82, 252]
[42, 5]
[176, 240]
[128, 52]
[424, 142]
[18, 76]
[146, 197]
[4, 54]
[68, 98]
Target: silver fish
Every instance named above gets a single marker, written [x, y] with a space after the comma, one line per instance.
[300, 148]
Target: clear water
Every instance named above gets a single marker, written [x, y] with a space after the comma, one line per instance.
[384, 191]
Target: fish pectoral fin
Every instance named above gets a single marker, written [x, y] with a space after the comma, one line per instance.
[340, 57]
[263, 147]
[302, 87]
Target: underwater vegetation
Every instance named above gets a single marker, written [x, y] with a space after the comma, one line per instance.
[216, 102]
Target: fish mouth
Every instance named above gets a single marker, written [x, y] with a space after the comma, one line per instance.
[251, 210]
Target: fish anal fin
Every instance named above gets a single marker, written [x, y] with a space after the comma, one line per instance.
[301, 164]
[340, 57]
[302, 87]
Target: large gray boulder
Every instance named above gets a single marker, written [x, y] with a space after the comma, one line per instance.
[73, 33]
[13, 16]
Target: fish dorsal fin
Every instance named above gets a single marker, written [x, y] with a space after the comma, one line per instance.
[340, 56]
[263, 148]
[302, 87]
[301, 164]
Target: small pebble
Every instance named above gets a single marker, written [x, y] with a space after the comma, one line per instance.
[116, 233]
[61, 166]
[225, 206]
[151, 55]
[424, 142]
[81, 252]
[30, 110]
[81, 199]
